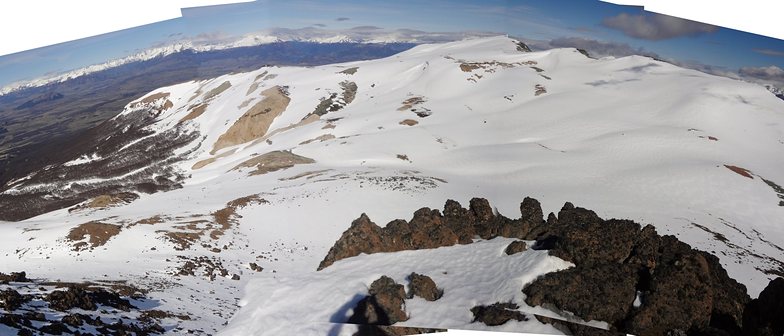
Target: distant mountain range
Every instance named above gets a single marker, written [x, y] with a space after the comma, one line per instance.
[364, 34]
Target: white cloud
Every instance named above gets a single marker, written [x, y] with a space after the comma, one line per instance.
[656, 26]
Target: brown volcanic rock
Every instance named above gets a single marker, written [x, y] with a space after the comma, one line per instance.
[601, 292]
[383, 306]
[13, 277]
[74, 297]
[423, 286]
[363, 236]
[430, 229]
[11, 299]
[516, 246]
[763, 316]
[680, 298]
[682, 289]
[497, 314]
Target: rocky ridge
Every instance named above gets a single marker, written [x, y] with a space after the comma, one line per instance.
[626, 275]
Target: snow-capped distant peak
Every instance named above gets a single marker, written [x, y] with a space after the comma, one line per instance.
[274, 35]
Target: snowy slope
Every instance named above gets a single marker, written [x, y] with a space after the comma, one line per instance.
[629, 138]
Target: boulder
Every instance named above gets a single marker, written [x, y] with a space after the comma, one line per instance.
[423, 286]
[385, 304]
[516, 246]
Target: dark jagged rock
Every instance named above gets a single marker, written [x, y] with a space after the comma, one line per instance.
[516, 246]
[74, 297]
[11, 299]
[55, 328]
[598, 292]
[423, 286]
[77, 297]
[13, 277]
[764, 316]
[74, 320]
[497, 314]
[110, 299]
[682, 289]
[383, 306]
[430, 229]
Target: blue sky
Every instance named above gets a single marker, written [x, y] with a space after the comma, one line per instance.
[583, 21]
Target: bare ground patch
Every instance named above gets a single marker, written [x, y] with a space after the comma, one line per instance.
[195, 111]
[256, 121]
[350, 71]
[153, 97]
[539, 89]
[96, 233]
[740, 171]
[106, 201]
[409, 122]
[202, 163]
[273, 161]
[320, 138]
[308, 175]
[216, 91]
[411, 102]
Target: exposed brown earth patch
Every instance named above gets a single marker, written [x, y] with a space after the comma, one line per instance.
[252, 88]
[311, 118]
[195, 111]
[106, 201]
[491, 66]
[227, 216]
[220, 221]
[97, 234]
[409, 122]
[539, 89]
[246, 103]
[740, 171]
[320, 138]
[411, 102]
[205, 162]
[350, 71]
[216, 91]
[256, 121]
[157, 219]
[153, 98]
[273, 161]
[308, 175]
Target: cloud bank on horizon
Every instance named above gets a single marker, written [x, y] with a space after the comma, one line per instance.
[601, 28]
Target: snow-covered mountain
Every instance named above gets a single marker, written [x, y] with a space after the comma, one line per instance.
[274, 35]
[221, 197]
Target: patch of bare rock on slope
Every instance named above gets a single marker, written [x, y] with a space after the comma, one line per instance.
[629, 276]
[257, 120]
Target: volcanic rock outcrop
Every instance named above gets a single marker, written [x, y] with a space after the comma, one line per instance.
[431, 229]
[626, 275]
